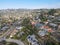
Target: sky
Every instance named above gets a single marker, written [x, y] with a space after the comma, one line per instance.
[29, 4]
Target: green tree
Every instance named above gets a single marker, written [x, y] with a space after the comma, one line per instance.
[25, 21]
[4, 42]
[52, 11]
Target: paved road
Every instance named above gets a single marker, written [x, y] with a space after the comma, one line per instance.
[15, 41]
[7, 33]
[10, 40]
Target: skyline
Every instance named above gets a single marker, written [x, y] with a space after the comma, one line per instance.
[29, 4]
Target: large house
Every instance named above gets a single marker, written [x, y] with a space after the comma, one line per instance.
[31, 39]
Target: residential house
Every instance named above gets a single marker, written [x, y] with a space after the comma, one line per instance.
[31, 39]
[53, 26]
[5, 28]
[19, 28]
[39, 25]
[42, 32]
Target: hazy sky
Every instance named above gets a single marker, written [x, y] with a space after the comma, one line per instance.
[30, 4]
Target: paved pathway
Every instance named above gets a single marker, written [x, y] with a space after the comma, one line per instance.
[15, 41]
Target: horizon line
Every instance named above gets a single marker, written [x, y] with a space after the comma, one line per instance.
[28, 8]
